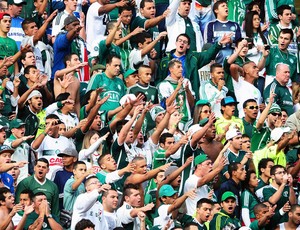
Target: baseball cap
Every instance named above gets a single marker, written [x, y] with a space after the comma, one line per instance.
[6, 149]
[194, 128]
[3, 127]
[203, 102]
[203, 122]
[34, 93]
[166, 190]
[277, 133]
[129, 72]
[228, 100]
[155, 111]
[2, 14]
[275, 108]
[227, 195]
[231, 133]
[126, 98]
[16, 123]
[16, 2]
[68, 152]
[97, 67]
[170, 170]
[69, 20]
[200, 159]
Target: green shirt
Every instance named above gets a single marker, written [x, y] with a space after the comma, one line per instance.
[254, 226]
[249, 201]
[112, 86]
[248, 127]
[125, 49]
[236, 11]
[222, 219]
[106, 50]
[8, 47]
[150, 92]
[32, 218]
[159, 158]
[189, 30]
[260, 138]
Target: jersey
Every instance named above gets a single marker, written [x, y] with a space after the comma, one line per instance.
[8, 47]
[70, 195]
[16, 32]
[248, 201]
[236, 11]
[150, 92]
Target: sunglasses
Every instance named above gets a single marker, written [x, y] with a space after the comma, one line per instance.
[276, 114]
[206, 111]
[252, 107]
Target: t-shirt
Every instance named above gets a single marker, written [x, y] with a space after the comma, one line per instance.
[16, 32]
[8, 47]
[70, 195]
[248, 201]
[125, 218]
[163, 216]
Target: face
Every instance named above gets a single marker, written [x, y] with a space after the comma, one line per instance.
[146, 42]
[205, 112]
[16, 9]
[129, 137]
[68, 160]
[228, 110]
[253, 180]
[240, 173]
[184, 8]
[283, 74]
[284, 116]
[80, 170]
[267, 170]
[19, 132]
[204, 212]
[2, 136]
[159, 118]
[176, 182]
[182, 44]
[126, 17]
[286, 17]
[244, 50]
[159, 178]
[29, 59]
[278, 177]
[5, 157]
[140, 139]
[211, 132]
[251, 70]
[272, 117]
[111, 200]
[251, 110]
[283, 41]
[93, 184]
[9, 201]
[38, 200]
[222, 11]
[114, 67]
[229, 205]
[31, 29]
[94, 138]
[33, 75]
[134, 199]
[25, 199]
[141, 167]
[96, 125]
[131, 80]
[71, 4]
[74, 61]
[216, 208]
[40, 170]
[295, 216]
[256, 21]
[70, 104]
[5, 24]
[62, 129]
[176, 71]
[170, 141]
[108, 163]
[169, 199]
[14, 172]
[246, 143]
[256, 8]
[149, 10]
[206, 166]
[74, 26]
[218, 75]
[262, 212]
[145, 75]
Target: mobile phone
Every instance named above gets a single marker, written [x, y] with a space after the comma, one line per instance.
[267, 47]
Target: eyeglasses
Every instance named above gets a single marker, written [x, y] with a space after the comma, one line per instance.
[183, 41]
[281, 172]
[95, 182]
[276, 114]
[252, 107]
[206, 111]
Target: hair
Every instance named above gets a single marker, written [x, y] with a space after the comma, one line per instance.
[88, 179]
[101, 158]
[127, 189]
[26, 22]
[87, 137]
[28, 68]
[282, 8]
[245, 135]
[233, 167]
[263, 164]
[173, 62]
[143, 67]
[52, 116]
[110, 25]
[140, 38]
[68, 57]
[294, 207]
[249, 26]
[287, 31]
[216, 6]
[274, 168]
[214, 66]
[42, 159]
[105, 193]
[110, 57]
[251, 5]
[189, 224]
[258, 207]
[237, 42]
[204, 201]
[23, 55]
[164, 136]
[142, 4]
[78, 163]
[3, 191]
[29, 192]
[83, 224]
[248, 101]
[120, 125]
[62, 96]
[38, 194]
[123, 8]
[245, 183]
[186, 36]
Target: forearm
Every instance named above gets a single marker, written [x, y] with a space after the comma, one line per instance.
[62, 72]
[172, 97]
[38, 141]
[160, 128]
[17, 142]
[106, 8]
[138, 125]
[149, 47]
[70, 133]
[173, 149]
[190, 98]
[262, 62]
[233, 57]
[177, 204]
[124, 39]
[77, 182]
[208, 177]
[4, 167]
[153, 22]
[125, 130]
[40, 33]
[292, 198]
[276, 196]
[54, 225]
[22, 222]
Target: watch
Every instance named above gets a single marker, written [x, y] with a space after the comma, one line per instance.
[49, 216]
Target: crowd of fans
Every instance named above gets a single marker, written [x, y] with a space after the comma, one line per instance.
[143, 114]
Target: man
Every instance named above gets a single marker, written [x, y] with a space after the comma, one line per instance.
[263, 214]
[178, 22]
[42, 214]
[131, 208]
[203, 212]
[14, 10]
[39, 183]
[226, 216]
[264, 171]
[178, 90]
[204, 173]
[250, 109]
[280, 192]
[70, 41]
[88, 206]
[279, 54]
[294, 219]
[110, 205]
[191, 61]
[216, 29]
[283, 96]
[214, 90]
[112, 85]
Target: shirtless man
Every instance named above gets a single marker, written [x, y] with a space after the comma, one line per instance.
[67, 80]
[8, 209]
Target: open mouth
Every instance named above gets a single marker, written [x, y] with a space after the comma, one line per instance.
[39, 104]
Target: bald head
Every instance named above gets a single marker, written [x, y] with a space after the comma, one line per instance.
[251, 71]
[283, 73]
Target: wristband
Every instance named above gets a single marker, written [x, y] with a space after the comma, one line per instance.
[1, 87]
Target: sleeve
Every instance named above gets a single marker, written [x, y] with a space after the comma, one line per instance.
[272, 35]
[135, 57]
[246, 216]
[85, 153]
[85, 201]
[171, 19]
[238, 33]
[138, 22]
[204, 58]
[270, 7]
[27, 40]
[123, 214]
[209, 33]
[93, 83]
[62, 42]
[112, 177]
[163, 91]
[52, 108]
[55, 202]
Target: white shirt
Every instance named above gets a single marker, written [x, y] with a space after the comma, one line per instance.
[163, 216]
[124, 216]
[136, 58]
[112, 220]
[58, 22]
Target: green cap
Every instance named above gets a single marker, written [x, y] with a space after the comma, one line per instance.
[200, 159]
[203, 122]
[129, 72]
[227, 195]
[166, 190]
[203, 102]
[16, 123]
[275, 108]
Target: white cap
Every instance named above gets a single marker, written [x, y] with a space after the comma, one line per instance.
[34, 93]
[231, 133]
[193, 129]
[277, 133]
[126, 98]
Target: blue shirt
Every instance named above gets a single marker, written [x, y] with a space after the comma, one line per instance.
[8, 181]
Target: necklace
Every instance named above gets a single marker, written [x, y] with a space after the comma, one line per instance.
[280, 52]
